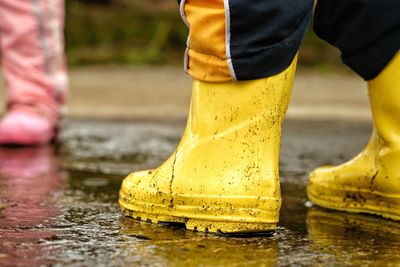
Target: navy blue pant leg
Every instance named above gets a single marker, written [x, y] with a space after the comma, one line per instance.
[266, 35]
[367, 32]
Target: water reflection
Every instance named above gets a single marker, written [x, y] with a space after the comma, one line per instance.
[167, 246]
[29, 177]
[353, 239]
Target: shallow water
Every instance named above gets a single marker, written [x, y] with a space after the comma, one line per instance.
[58, 205]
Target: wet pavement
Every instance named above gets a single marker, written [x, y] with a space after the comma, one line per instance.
[58, 204]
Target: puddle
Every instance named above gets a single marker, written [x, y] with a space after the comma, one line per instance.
[58, 205]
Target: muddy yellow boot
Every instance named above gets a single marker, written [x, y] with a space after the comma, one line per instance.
[224, 175]
[369, 183]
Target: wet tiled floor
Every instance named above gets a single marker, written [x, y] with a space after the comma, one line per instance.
[58, 204]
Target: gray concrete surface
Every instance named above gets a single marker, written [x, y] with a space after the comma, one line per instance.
[163, 92]
[59, 204]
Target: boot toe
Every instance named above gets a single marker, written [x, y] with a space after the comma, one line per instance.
[23, 128]
[321, 184]
[321, 175]
[134, 183]
[145, 189]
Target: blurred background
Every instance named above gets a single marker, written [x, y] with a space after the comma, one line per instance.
[139, 46]
[125, 61]
[143, 32]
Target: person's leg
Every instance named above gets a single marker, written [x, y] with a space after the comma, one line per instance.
[224, 175]
[232, 40]
[32, 50]
[368, 34]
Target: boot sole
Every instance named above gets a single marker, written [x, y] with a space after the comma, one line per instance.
[195, 219]
[356, 201]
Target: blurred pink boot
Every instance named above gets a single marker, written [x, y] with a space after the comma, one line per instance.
[32, 47]
[26, 128]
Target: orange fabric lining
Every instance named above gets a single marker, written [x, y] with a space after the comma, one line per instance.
[207, 40]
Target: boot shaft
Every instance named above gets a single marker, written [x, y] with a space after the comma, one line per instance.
[384, 92]
[221, 107]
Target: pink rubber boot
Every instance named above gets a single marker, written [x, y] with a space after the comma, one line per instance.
[21, 127]
[32, 47]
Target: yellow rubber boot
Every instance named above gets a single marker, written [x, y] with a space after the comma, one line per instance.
[224, 175]
[370, 183]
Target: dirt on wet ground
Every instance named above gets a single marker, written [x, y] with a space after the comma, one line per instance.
[58, 204]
